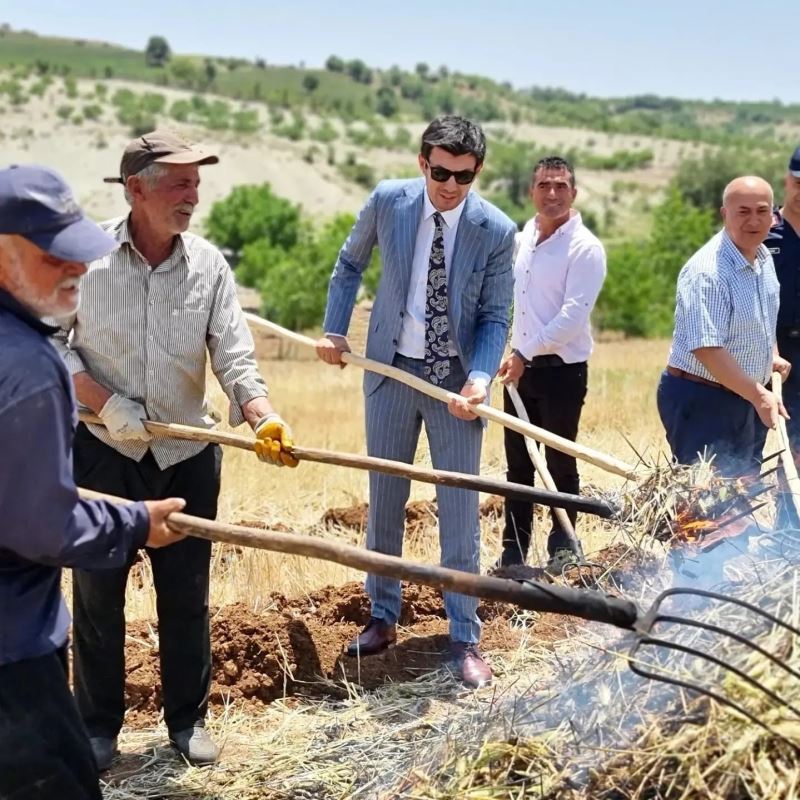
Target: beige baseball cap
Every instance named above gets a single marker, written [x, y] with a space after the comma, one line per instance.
[159, 147]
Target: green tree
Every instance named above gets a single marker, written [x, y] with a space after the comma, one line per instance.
[702, 180]
[250, 213]
[386, 102]
[639, 293]
[157, 52]
[310, 82]
[334, 64]
[210, 71]
[295, 284]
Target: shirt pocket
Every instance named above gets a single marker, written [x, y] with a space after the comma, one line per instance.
[186, 332]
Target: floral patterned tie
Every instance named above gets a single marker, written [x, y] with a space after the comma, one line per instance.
[437, 334]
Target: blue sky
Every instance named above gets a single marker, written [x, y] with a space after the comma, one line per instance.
[701, 49]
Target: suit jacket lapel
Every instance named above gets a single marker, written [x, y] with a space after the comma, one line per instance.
[409, 213]
[468, 239]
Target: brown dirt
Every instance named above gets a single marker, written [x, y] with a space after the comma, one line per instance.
[419, 514]
[299, 648]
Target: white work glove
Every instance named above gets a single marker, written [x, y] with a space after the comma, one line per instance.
[123, 419]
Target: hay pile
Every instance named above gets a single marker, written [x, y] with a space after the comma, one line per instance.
[565, 717]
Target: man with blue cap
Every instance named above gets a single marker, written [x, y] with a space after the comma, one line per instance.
[783, 243]
[45, 243]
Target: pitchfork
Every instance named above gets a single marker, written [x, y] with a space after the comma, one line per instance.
[591, 605]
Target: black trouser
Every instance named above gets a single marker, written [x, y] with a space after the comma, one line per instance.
[789, 348]
[44, 750]
[180, 575]
[553, 396]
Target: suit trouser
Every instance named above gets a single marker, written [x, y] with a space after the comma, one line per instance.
[180, 575]
[394, 416]
[44, 750]
[698, 418]
[553, 397]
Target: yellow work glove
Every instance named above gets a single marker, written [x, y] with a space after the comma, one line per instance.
[274, 441]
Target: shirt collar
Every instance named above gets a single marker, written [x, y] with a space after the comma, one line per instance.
[450, 217]
[566, 229]
[11, 304]
[122, 233]
[736, 257]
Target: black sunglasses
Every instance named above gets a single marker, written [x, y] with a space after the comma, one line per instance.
[442, 175]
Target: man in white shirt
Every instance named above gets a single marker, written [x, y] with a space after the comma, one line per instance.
[558, 273]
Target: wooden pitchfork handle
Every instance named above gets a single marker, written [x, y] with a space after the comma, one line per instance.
[602, 460]
[534, 596]
[787, 457]
[587, 505]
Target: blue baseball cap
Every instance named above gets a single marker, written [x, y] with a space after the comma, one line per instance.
[794, 163]
[37, 204]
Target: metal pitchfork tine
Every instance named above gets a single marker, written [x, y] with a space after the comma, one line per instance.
[653, 616]
[628, 617]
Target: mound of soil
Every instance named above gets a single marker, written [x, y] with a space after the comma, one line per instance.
[299, 647]
[258, 657]
[419, 514]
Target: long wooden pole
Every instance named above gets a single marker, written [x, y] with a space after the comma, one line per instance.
[553, 499]
[540, 465]
[602, 460]
[787, 457]
[590, 605]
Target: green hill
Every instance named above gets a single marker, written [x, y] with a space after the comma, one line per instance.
[352, 90]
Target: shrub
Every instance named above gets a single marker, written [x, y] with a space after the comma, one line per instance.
[324, 133]
[92, 111]
[180, 110]
[357, 172]
[246, 121]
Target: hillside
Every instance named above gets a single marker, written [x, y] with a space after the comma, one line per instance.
[81, 126]
[650, 170]
[353, 90]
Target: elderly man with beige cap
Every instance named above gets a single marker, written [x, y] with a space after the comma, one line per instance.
[152, 312]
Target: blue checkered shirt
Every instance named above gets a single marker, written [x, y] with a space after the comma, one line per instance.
[725, 301]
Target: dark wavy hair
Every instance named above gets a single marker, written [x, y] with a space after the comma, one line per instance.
[457, 135]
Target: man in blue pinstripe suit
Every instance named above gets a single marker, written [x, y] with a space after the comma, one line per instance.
[441, 313]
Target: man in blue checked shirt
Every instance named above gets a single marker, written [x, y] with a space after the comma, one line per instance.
[713, 397]
[45, 242]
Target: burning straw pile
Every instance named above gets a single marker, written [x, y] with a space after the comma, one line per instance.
[598, 730]
[571, 720]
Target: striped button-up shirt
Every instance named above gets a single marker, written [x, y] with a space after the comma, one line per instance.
[725, 301]
[144, 333]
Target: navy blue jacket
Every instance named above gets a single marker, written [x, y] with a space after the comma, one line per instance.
[43, 524]
[784, 244]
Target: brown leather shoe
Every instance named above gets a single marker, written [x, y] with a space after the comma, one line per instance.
[377, 636]
[467, 659]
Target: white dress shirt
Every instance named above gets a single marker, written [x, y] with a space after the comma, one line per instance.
[411, 342]
[556, 284]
